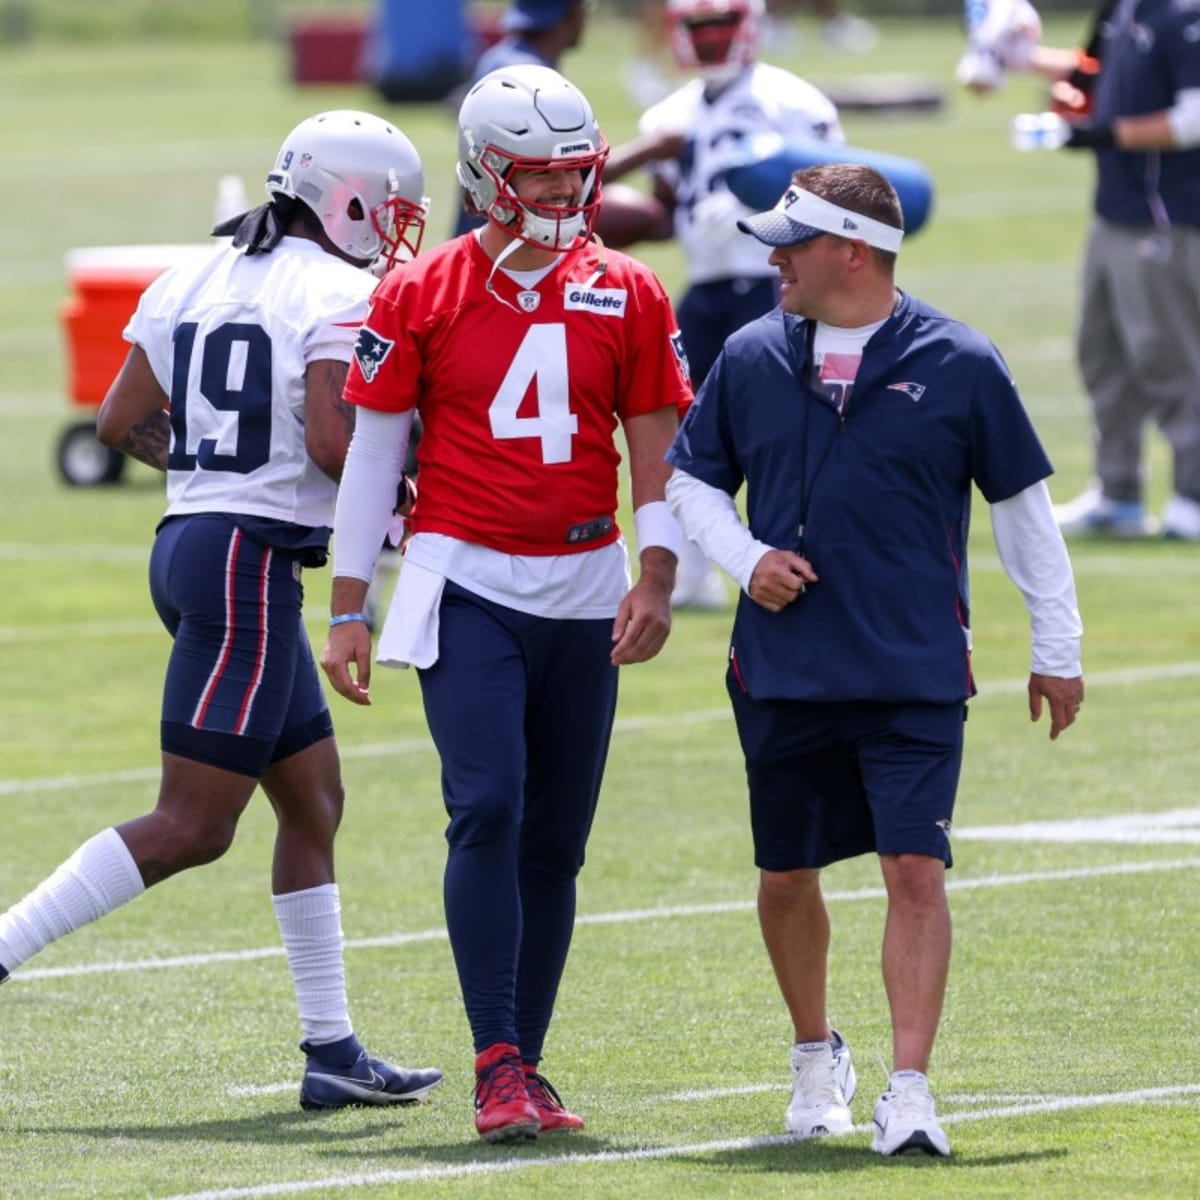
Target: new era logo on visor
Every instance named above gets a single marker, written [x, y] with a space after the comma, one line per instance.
[848, 224]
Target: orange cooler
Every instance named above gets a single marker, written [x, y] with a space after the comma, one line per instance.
[105, 285]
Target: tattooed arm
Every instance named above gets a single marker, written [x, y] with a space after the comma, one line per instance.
[133, 417]
[328, 419]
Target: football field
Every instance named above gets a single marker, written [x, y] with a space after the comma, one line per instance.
[153, 1055]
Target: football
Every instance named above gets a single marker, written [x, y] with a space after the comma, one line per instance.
[628, 215]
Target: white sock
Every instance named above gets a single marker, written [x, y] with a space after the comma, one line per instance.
[311, 924]
[100, 876]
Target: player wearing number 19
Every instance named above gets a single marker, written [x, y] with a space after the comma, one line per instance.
[233, 387]
[522, 346]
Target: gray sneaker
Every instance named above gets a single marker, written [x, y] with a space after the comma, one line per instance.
[819, 1104]
[906, 1120]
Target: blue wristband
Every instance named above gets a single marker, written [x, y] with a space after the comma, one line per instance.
[344, 618]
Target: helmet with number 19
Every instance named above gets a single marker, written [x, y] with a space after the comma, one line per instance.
[363, 179]
[715, 37]
[530, 118]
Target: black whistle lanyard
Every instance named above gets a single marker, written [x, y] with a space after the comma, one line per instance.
[810, 393]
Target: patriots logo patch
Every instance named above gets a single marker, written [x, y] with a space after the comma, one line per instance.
[681, 355]
[370, 351]
[914, 391]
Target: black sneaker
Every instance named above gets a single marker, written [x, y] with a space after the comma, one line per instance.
[365, 1081]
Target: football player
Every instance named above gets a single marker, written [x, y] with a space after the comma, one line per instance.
[536, 32]
[688, 140]
[233, 386]
[522, 346]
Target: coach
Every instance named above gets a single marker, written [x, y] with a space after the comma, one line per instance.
[858, 419]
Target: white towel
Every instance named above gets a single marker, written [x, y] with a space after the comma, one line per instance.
[410, 633]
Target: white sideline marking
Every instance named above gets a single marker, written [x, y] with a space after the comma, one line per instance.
[609, 918]
[492, 1167]
[749, 1089]
[83, 630]
[1180, 826]
[260, 1089]
[1120, 677]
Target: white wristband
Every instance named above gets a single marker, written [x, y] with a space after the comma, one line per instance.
[656, 526]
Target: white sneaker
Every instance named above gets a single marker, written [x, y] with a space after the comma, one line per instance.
[843, 1068]
[1091, 512]
[905, 1119]
[819, 1104]
[1181, 519]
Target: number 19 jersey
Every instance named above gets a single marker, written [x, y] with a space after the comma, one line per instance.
[229, 341]
[519, 389]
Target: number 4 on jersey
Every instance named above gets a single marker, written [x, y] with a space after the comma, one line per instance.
[541, 360]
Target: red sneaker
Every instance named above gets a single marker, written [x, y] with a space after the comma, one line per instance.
[548, 1104]
[503, 1109]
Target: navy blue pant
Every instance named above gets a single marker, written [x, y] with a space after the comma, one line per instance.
[241, 690]
[710, 312]
[521, 710]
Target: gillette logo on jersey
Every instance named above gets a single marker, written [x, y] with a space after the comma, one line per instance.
[370, 351]
[609, 302]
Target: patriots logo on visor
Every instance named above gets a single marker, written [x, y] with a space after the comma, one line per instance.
[370, 351]
[680, 355]
[914, 391]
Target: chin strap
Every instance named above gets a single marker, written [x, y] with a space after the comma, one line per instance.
[595, 277]
[509, 249]
[601, 264]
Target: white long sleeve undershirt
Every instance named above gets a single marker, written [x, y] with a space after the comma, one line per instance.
[714, 524]
[1034, 556]
[1028, 541]
[367, 493]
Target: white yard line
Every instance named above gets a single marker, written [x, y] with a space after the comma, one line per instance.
[1120, 677]
[618, 917]
[334, 1183]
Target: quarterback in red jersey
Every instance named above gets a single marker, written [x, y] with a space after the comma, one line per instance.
[522, 346]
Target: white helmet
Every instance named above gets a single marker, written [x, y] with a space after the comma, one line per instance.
[363, 179]
[530, 118]
[715, 37]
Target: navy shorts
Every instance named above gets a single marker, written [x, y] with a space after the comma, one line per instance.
[832, 781]
[242, 689]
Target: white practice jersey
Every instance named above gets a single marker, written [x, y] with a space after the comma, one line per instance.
[228, 341]
[762, 99]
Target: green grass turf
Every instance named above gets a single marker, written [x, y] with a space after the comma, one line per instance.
[1067, 1065]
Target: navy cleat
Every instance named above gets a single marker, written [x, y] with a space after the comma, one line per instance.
[365, 1081]
[3, 974]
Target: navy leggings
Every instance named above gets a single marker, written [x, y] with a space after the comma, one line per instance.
[521, 710]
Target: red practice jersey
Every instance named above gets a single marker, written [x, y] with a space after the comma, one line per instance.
[519, 392]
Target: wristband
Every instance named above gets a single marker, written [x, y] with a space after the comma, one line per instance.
[345, 618]
[656, 526]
